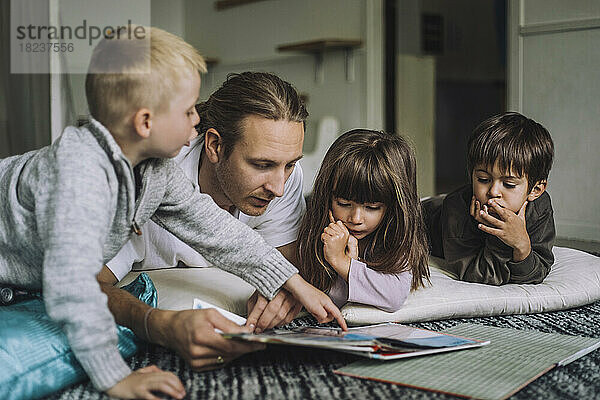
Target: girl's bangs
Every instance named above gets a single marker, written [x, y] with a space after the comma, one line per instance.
[361, 181]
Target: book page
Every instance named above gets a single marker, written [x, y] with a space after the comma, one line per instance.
[383, 341]
[415, 336]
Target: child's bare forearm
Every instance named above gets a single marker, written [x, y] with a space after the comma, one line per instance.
[341, 265]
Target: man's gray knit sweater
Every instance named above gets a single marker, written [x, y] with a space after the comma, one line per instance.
[69, 207]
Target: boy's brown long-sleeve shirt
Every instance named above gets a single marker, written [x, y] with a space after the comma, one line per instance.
[475, 256]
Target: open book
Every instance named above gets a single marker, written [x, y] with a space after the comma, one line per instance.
[382, 341]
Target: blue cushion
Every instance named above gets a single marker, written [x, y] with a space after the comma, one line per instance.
[35, 357]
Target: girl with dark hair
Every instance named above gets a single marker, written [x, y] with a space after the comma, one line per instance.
[362, 238]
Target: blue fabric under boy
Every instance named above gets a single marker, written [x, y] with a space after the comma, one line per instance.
[35, 356]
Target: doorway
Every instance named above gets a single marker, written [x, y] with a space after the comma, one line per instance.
[466, 41]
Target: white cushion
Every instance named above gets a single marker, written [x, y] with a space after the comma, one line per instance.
[573, 281]
[177, 288]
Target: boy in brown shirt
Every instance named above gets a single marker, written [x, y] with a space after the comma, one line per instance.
[500, 228]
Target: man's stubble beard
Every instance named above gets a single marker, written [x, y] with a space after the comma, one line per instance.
[229, 186]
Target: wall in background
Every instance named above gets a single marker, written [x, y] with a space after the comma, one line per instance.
[246, 37]
[252, 32]
[260, 27]
[553, 74]
[169, 15]
[165, 14]
[415, 114]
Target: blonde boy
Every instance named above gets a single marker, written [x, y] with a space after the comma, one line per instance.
[69, 207]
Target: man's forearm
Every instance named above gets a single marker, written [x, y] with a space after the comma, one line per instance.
[127, 310]
[130, 312]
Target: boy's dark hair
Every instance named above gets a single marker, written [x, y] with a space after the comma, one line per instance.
[516, 143]
[245, 94]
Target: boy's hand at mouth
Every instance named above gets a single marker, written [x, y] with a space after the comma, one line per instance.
[475, 210]
[507, 226]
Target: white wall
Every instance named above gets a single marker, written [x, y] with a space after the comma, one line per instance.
[334, 97]
[168, 15]
[252, 32]
[165, 14]
[553, 78]
[415, 114]
[246, 37]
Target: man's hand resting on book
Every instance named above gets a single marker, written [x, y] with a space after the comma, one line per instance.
[191, 333]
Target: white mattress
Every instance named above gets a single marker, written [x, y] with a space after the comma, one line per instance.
[573, 281]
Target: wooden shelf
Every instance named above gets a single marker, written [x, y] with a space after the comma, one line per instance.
[211, 61]
[223, 4]
[319, 47]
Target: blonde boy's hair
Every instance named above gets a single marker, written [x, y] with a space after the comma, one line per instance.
[129, 72]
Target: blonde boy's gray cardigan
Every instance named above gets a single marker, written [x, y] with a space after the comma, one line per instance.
[69, 207]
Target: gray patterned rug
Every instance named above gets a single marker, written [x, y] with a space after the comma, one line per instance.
[282, 372]
[296, 373]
